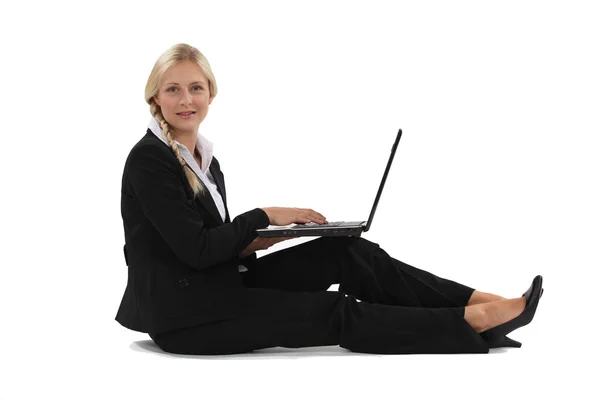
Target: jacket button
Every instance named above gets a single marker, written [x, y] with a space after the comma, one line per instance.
[182, 282]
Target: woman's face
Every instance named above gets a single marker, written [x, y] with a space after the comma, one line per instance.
[184, 87]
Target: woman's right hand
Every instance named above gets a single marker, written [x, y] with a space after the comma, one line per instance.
[284, 216]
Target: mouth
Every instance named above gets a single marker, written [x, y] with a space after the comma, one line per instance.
[187, 113]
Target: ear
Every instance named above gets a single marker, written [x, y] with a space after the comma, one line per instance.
[156, 100]
[210, 100]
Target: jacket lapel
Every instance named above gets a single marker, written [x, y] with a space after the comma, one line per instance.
[220, 181]
[207, 201]
[208, 204]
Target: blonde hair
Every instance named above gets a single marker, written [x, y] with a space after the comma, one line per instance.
[174, 55]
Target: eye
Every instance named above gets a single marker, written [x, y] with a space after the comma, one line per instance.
[173, 87]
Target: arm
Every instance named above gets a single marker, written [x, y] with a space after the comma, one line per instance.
[158, 186]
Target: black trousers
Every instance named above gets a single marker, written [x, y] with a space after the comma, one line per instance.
[382, 306]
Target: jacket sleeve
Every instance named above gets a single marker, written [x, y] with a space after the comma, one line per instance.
[249, 260]
[158, 186]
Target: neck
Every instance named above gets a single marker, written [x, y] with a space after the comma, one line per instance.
[188, 140]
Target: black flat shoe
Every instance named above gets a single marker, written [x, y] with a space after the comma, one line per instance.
[497, 334]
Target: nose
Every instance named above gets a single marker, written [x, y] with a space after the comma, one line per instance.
[186, 98]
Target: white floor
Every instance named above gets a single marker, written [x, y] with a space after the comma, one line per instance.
[495, 180]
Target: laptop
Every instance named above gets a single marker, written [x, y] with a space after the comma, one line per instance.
[339, 228]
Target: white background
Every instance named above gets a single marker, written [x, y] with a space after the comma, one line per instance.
[495, 180]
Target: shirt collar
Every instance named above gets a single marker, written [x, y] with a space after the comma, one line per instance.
[203, 145]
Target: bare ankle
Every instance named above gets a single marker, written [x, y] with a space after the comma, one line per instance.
[499, 312]
[476, 316]
[478, 297]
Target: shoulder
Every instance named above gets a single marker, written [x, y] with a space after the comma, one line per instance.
[215, 162]
[150, 151]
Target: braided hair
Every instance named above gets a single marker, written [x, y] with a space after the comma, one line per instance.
[195, 183]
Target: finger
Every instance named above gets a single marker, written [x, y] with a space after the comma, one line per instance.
[303, 215]
[306, 215]
[315, 216]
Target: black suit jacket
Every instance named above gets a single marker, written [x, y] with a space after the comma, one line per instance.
[182, 258]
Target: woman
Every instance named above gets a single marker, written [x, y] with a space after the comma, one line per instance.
[196, 286]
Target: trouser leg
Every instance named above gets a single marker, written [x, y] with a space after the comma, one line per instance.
[362, 269]
[304, 319]
[403, 309]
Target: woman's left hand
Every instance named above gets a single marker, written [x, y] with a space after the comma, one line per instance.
[261, 243]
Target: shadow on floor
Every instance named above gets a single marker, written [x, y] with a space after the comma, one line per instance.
[148, 346]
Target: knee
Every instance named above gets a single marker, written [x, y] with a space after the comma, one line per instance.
[346, 244]
[361, 245]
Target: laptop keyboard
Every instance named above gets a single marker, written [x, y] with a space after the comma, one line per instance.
[314, 224]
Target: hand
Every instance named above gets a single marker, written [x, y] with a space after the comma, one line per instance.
[261, 243]
[284, 216]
